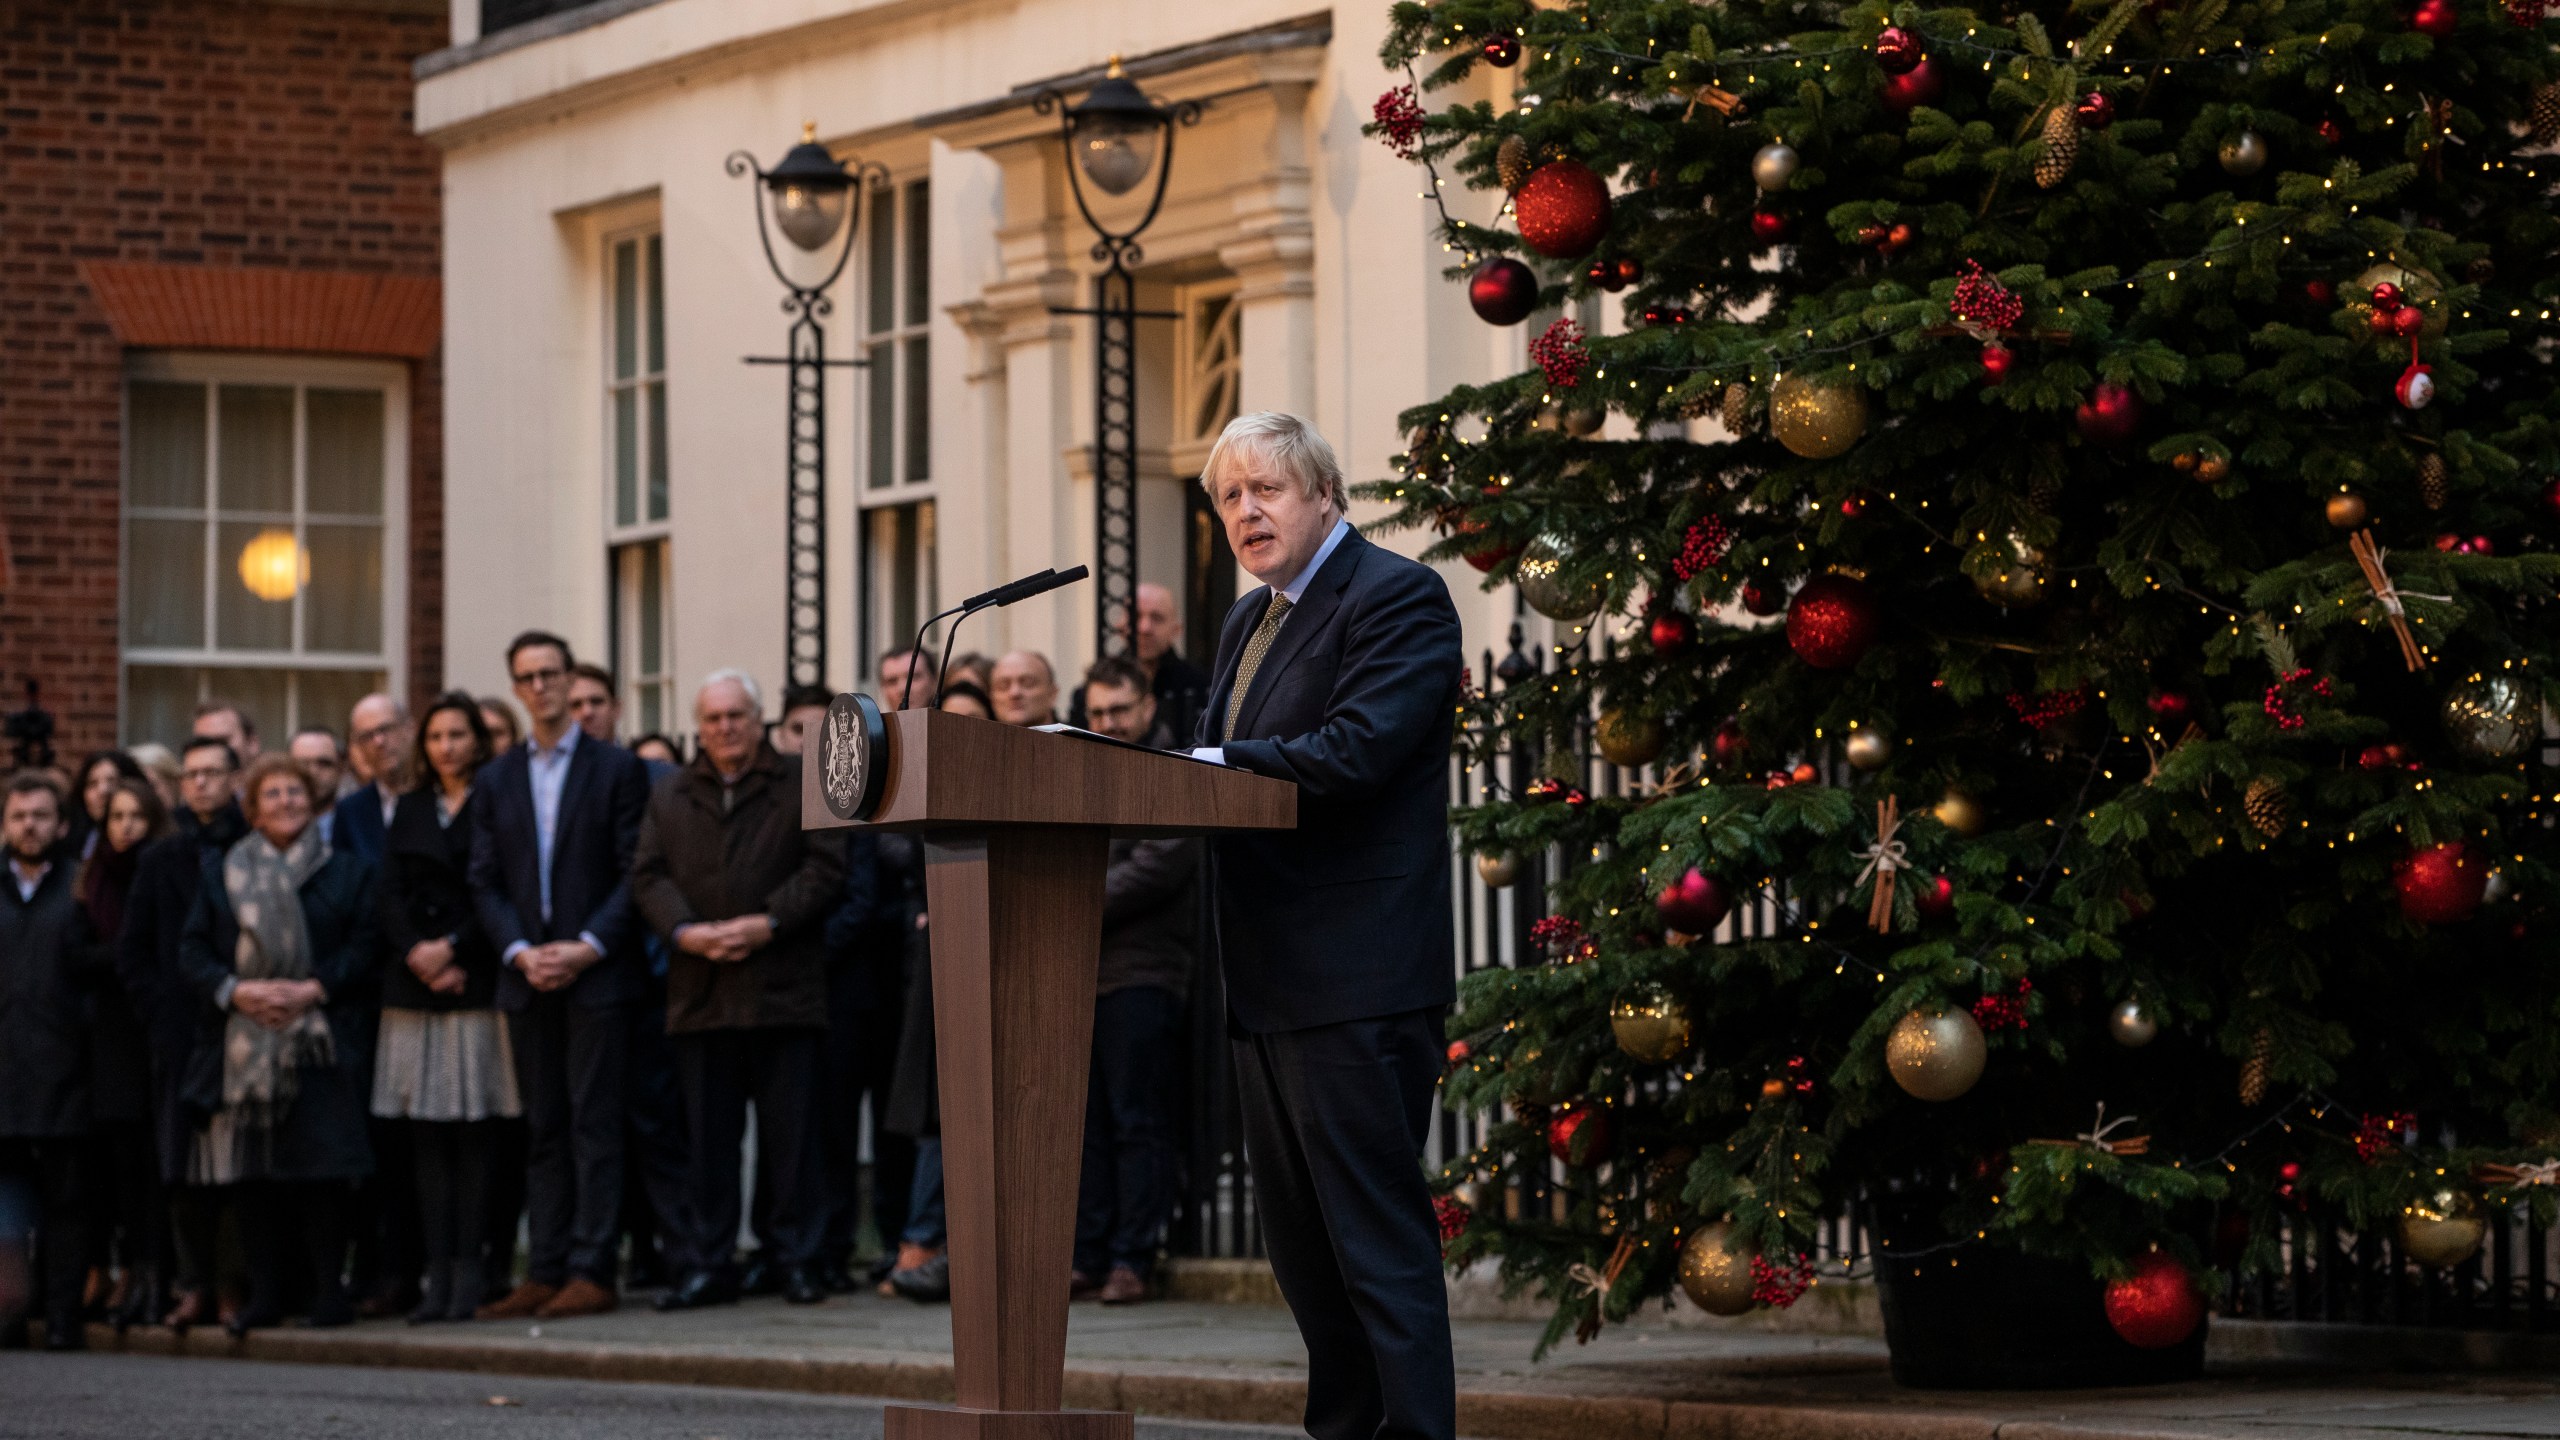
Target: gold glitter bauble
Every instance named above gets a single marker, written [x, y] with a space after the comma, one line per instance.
[2490, 718]
[2415, 286]
[1867, 749]
[2346, 510]
[1540, 569]
[1935, 1054]
[1715, 1279]
[1816, 421]
[1498, 871]
[1958, 812]
[1650, 1022]
[1628, 737]
[2443, 1229]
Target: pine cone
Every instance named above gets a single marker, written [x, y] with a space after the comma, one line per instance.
[2434, 480]
[2545, 112]
[2265, 805]
[1511, 162]
[1737, 408]
[2061, 146]
[2044, 491]
[2256, 1070]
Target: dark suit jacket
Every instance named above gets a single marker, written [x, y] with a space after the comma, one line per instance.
[601, 802]
[155, 921]
[356, 823]
[1347, 916]
[44, 1008]
[426, 895]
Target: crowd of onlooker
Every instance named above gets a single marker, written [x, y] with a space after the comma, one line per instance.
[461, 1014]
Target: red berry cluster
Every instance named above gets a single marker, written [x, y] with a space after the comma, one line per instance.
[1546, 788]
[1981, 300]
[1995, 1013]
[2378, 1135]
[2038, 711]
[2280, 701]
[1796, 1075]
[1559, 352]
[1705, 545]
[1558, 933]
[1780, 1285]
[1453, 1215]
[2525, 14]
[2391, 756]
[1399, 118]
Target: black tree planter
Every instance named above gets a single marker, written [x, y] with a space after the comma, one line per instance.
[1987, 1318]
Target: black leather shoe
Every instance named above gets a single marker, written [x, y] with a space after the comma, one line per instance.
[699, 1289]
[801, 1285]
[760, 1278]
[836, 1279]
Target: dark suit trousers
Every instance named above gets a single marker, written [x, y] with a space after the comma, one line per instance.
[56, 1170]
[658, 1175]
[860, 1067]
[721, 1072]
[1337, 1176]
[571, 1062]
[1125, 1194]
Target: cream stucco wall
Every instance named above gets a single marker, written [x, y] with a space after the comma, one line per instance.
[551, 145]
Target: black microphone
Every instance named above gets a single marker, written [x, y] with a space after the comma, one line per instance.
[999, 597]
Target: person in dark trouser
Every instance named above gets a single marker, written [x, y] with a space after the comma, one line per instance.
[44, 1047]
[655, 1170]
[551, 871]
[1340, 673]
[123, 1166]
[280, 959]
[1150, 912]
[164, 894]
[866, 984]
[390, 1246]
[446, 1067]
[727, 876]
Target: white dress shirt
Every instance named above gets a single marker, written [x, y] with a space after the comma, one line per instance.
[28, 879]
[547, 766]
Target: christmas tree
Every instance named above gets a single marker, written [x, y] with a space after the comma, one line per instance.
[2062, 533]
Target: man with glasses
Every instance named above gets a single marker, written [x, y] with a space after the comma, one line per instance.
[379, 740]
[552, 838]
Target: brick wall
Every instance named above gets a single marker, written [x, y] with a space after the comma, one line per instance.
[199, 132]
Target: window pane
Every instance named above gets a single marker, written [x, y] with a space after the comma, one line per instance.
[343, 452]
[159, 703]
[657, 308]
[257, 448]
[882, 312]
[164, 445]
[919, 412]
[651, 603]
[881, 427]
[342, 609]
[626, 457]
[243, 619]
[919, 253]
[164, 582]
[626, 305]
[657, 449]
[260, 694]
[652, 717]
[323, 697]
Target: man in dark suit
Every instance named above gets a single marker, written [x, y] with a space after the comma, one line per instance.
[1340, 674]
[552, 837]
[379, 738]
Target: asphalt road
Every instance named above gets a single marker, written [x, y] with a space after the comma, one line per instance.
[115, 1397]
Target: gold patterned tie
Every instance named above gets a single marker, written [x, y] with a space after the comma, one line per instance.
[1255, 647]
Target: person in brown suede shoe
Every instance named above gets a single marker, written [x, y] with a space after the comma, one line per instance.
[521, 1303]
[581, 1296]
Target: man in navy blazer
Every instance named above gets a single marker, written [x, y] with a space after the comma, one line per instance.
[378, 739]
[554, 824]
[1341, 674]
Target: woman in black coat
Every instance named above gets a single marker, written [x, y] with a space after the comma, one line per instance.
[280, 956]
[445, 1064]
[124, 1166]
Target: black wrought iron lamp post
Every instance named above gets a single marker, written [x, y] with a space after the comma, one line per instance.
[1112, 137]
[815, 199]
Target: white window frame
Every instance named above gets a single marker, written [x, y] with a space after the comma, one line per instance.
[626, 543]
[904, 333]
[1203, 364]
[634, 682]
[214, 369]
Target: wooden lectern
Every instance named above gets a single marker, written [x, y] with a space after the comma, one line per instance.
[1016, 825]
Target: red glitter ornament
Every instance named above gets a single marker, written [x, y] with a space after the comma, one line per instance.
[2379, 1135]
[2435, 17]
[1780, 1285]
[1936, 899]
[1831, 621]
[1920, 85]
[1559, 353]
[1728, 746]
[1501, 51]
[1983, 301]
[2038, 711]
[2381, 323]
[2095, 110]
[2407, 321]
[1487, 558]
[1503, 291]
[2386, 296]
[1692, 904]
[1671, 632]
[1996, 360]
[1763, 599]
[1398, 116]
[2110, 415]
[1459, 1051]
[1770, 226]
[1702, 548]
[1897, 50]
[2319, 292]
[1452, 1215]
[1563, 209]
[1578, 1134]
[2156, 1306]
[2441, 884]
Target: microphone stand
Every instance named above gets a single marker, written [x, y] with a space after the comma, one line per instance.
[998, 598]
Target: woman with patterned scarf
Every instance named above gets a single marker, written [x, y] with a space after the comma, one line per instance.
[282, 949]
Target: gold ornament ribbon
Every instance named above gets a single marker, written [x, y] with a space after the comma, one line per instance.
[2101, 1137]
[1884, 857]
[2521, 1177]
[2369, 558]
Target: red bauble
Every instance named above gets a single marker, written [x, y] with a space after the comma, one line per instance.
[1459, 1050]
[2408, 320]
[2110, 415]
[1853, 506]
[1563, 209]
[1935, 898]
[1604, 273]
[1630, 270]
[1763, 600]
[1578, 1134]
[1897, 50]
[1671, 632]
[1770, 226]
[1491, 557]
[1831, 621]
[2096, 110]
[2319, 292]
[1921, 85]
[2330, 131]
[1995, 364]
[2157, 1306]
[1898, 238]
[2381, 322]
[1804, 774]
[1729, 748]
[2479, 545]
[2441, 884]
[1503, 291]
[1693, 903]
[2551, 496]
[1502, 52]
[2435, 17]
[2448, 543]
[2172, 708]
[2386, 296]
[2416, 389]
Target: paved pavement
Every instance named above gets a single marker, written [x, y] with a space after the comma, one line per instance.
[1244, 1364]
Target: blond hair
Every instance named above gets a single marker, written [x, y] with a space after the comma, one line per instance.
[1284, 443]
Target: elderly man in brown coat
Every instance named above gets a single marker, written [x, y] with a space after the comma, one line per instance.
[741, 893]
